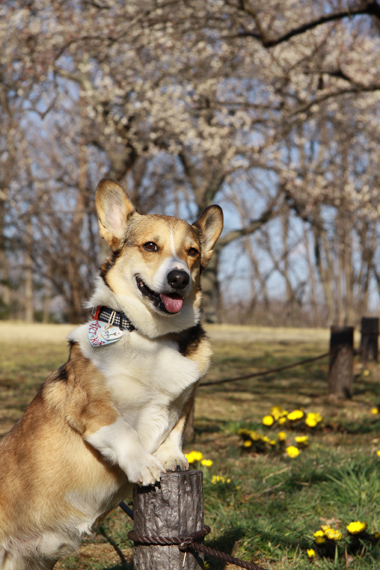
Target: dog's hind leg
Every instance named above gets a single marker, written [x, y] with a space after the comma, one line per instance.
[16, 561]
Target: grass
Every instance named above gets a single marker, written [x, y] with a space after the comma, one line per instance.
[273, 504]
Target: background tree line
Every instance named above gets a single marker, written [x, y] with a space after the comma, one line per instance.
[271, 109]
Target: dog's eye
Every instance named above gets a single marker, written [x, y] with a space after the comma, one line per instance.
[192, 252]
[150, 246]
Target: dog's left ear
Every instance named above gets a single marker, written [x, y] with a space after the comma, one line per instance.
[209, 227]
[113, 208]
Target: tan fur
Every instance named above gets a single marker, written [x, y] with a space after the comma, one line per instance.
[116, 414]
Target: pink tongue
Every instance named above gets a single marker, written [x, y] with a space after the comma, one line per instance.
[171, 305]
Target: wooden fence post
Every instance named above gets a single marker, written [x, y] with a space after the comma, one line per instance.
[369, 338]
[341, 369]
[174, 507]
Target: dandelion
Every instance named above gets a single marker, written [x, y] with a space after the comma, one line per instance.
[292, 451]
[302, 440]
[243, 431]
[219, 479]
[281, 436]
[247, 443]
[311, 553]
[206, 462]
[295, 415]
[319, 537]
[254, 435]
[268, 421]
[281, 421]
[333, 534]
[313, 419]
[375, 411]
[277, 412]
[194, 456]
[356, 527]
[378, 453]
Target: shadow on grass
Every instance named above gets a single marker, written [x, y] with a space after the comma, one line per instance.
[225, 543]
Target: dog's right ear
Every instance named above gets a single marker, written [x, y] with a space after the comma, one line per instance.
[113, 208]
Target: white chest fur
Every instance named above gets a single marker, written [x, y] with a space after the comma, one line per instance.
[149, 381]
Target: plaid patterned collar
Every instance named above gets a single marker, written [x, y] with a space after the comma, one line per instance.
[116, 318]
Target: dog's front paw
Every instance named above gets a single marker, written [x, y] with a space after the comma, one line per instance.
[172, 461]
[145, 470]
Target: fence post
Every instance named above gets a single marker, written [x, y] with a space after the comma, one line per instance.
[341, 369]
[174, 507]
[369, 338]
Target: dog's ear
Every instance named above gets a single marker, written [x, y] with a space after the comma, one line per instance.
[113, 208]
[209, 226]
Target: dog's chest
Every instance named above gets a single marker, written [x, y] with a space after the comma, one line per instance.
[149, 381]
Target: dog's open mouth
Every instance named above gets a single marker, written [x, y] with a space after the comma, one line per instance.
[166, 302]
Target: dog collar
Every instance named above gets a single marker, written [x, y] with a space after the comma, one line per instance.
[114, 318]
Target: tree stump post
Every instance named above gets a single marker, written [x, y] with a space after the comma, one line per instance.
[341, 369]
[369, 339]
[173, 507]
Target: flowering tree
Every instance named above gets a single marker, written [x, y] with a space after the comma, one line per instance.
[269, 109]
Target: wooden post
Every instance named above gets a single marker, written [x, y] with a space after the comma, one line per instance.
[174, 507]
[341, 369]
[369, 339]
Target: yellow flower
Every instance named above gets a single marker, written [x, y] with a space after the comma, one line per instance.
[281, 421]
[292, 451]
[311, 553]
[356, 527]
[378, 453]
[268, 421]
[302, 440]
[206, 565]
[276, 412]
[206, 462]
[194, 456]
[375, 411]
[333, 534]
[295, 415]
[312, 419]
[319, 537]
[217, 479]
[254, 435]
[247, 443]
[365, 372]
[281, 436]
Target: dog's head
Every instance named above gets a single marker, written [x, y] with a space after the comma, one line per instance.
[155, 262]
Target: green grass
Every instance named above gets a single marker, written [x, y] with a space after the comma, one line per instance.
[272, 505]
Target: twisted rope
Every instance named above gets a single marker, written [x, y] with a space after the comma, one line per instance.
[186, 543]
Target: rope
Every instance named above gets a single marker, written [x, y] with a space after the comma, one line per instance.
[265, 372]
[189, 543]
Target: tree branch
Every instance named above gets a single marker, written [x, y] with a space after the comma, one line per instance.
[370, 8]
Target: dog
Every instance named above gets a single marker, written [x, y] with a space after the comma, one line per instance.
[115, 413]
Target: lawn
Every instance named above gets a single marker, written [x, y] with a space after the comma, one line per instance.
[261, 504]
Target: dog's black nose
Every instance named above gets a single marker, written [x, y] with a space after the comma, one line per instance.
[178, 279]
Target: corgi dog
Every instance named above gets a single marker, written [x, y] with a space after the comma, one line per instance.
[115, 413]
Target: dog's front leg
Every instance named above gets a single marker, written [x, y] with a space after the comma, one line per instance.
[170, 451]
[120, 444]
